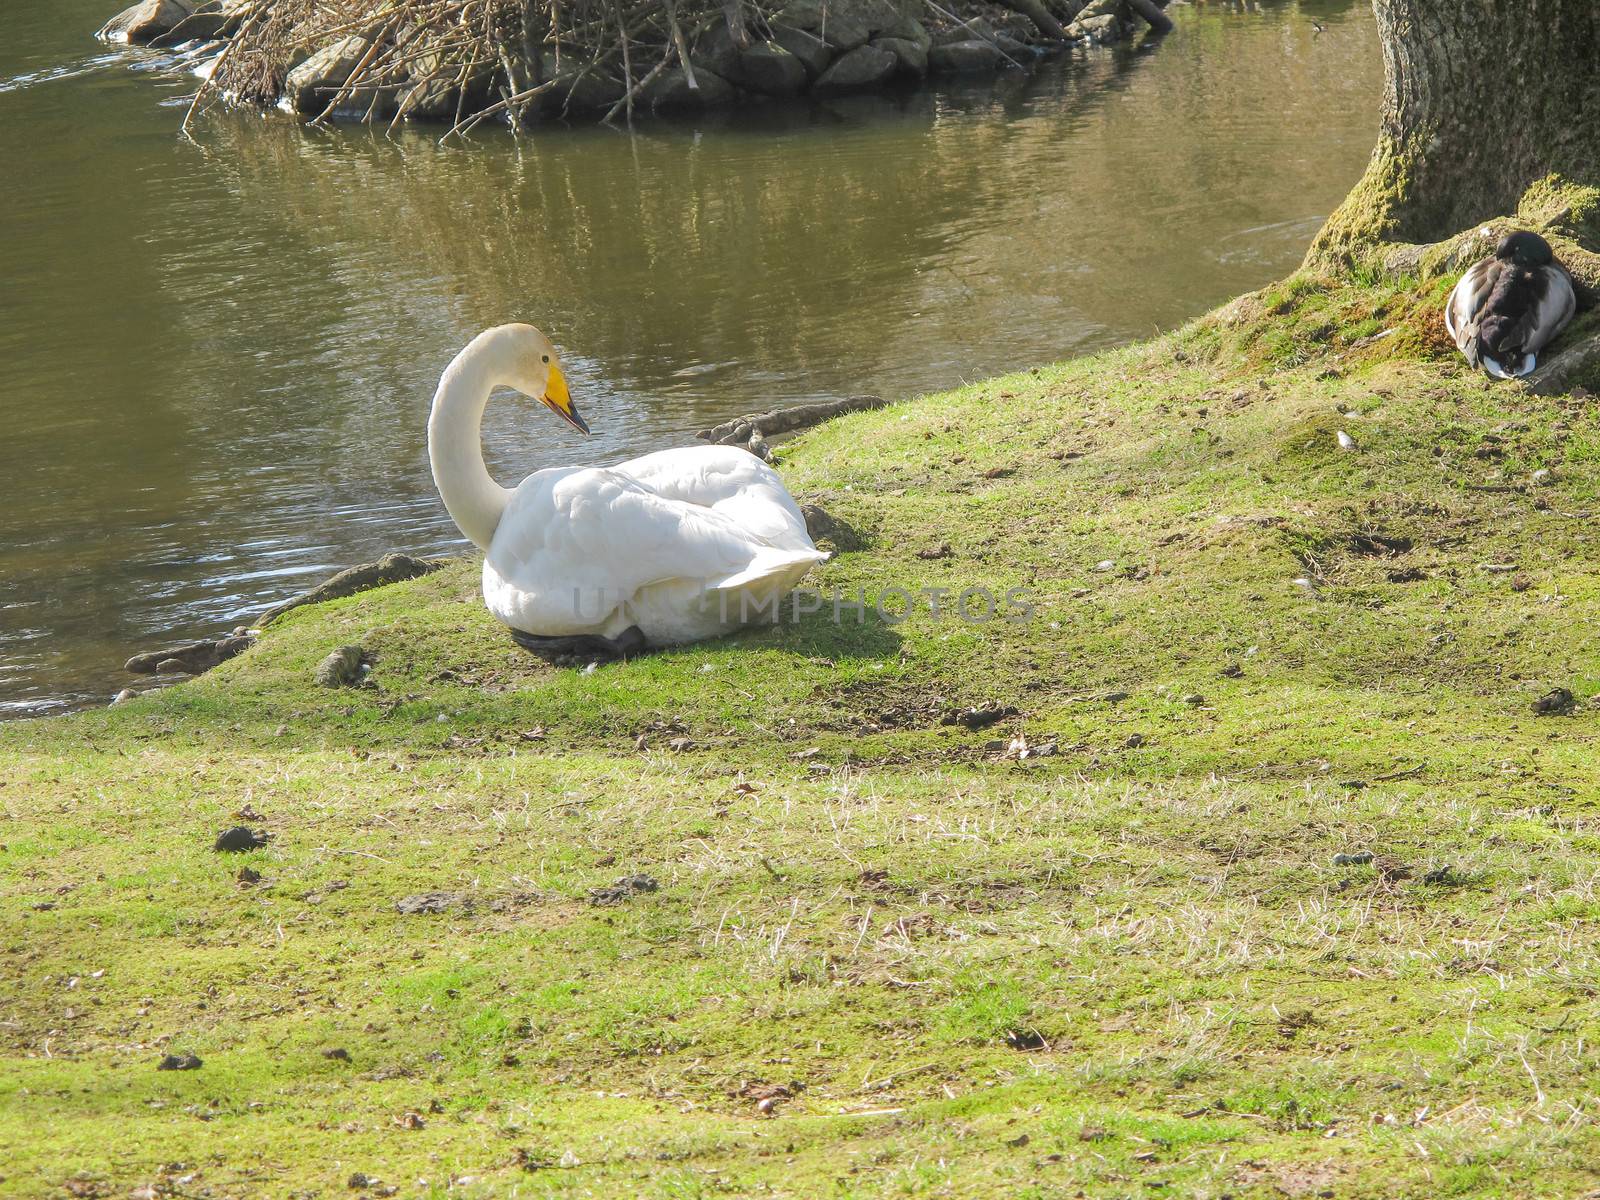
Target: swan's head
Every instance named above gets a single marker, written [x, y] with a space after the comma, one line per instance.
[531, 365]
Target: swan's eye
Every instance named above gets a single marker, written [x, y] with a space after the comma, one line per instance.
[544, 358]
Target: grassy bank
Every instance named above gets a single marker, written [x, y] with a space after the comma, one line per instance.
[883, 956]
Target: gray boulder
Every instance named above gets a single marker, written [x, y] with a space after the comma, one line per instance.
[436, 94]
[769, 69]
[910, 58]
[862, 68]
[1019, 51]
[1100, 30]
[834, 21]
[207, 23]
[342, 668]
[717, 52]
[670, 91]
[145, 22]
[806, 46]
[391, 568]
[577, 91]
[958, 58]
[973, 29]
[315, 82]
[432, 100]
[882, 18]
[192, 658]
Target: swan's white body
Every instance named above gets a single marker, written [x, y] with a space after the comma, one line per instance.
[681, 544]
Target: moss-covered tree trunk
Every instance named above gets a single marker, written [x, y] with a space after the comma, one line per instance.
[1485, 102]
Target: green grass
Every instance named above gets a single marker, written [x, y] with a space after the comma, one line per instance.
[884, 959]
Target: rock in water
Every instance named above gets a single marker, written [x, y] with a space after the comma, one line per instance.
[315, 82]
[957, 58]
[841, 30]
[862, 68]
[670, 91]
[145, 22]
[805, 45]
[768, 68]
[341, 668]
[193, 658]
[391, 568]
[912, 58]
[237, 840]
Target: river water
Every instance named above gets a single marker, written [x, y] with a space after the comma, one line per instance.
[216, 357]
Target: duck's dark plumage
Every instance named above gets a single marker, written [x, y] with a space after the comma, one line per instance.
[1510, 306]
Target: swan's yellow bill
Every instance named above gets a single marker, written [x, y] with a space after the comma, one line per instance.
[558, 400]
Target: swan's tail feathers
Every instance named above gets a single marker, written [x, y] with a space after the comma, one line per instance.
[774, 568]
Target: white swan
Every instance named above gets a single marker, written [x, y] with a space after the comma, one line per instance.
[672, 547]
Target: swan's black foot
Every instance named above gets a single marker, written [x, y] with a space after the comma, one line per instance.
[583, 649]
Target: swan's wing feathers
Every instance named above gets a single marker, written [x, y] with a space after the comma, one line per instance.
[609, 524]
[730, 481]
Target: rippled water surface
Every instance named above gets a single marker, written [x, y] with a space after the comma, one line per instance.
[216, 358]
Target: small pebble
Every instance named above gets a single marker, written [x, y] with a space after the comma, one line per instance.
[1346, 442]
[1353, 860]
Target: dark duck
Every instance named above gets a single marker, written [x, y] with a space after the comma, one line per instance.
[1508, 307]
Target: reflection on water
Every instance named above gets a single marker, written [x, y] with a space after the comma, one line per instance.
[216, 361]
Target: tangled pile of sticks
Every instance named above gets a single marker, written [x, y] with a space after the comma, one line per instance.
[490, 57]
[467, 61]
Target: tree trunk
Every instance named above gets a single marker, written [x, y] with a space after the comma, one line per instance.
[1489, 111]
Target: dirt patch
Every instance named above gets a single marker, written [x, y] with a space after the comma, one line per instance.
[431, 902]
[980, 717]
[767, 1096]
[873, 707]
[1380, 545]
[1291, 1179]
[623, 890]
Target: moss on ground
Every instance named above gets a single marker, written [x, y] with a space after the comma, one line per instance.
[886, 956]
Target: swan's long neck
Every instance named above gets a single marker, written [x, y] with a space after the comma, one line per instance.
[455, 443]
